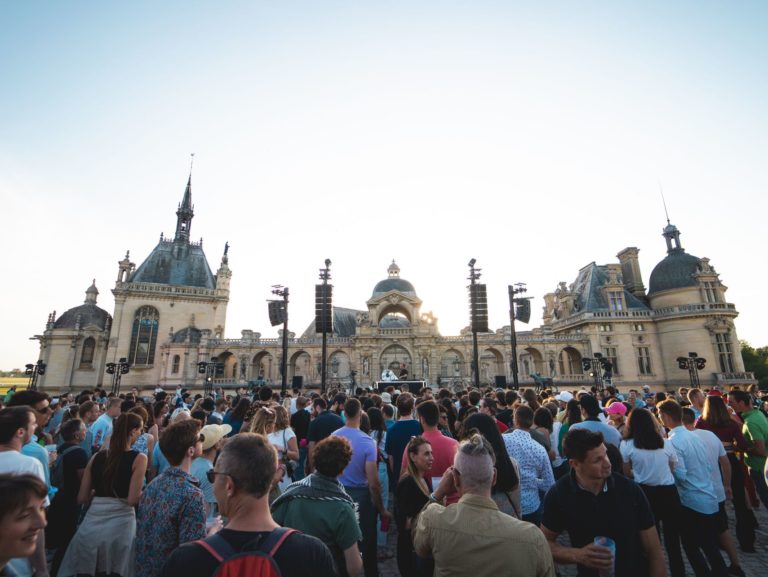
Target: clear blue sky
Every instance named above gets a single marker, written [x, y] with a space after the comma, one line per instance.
[530, 136]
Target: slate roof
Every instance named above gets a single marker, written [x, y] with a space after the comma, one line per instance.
[344, 323]
[90, 314]
[588, 293]
[176, 263]
[676, 270]
[393, 284]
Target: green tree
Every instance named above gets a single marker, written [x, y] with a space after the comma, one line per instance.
[756, 361]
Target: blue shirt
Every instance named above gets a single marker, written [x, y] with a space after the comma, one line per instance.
[198, 470]
[158, 459]
[363, 451]
[693, 472]
[610, 434]
[32, 449]
[101, 429]
[536, 474]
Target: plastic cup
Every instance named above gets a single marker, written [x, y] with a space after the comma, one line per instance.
[610, 544]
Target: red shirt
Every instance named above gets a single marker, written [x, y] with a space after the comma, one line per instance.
[443, 452]
[501, 427]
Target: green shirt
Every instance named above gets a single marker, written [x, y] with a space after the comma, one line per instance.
[755, 429]
[333, 522]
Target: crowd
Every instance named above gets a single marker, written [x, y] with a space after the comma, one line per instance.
[477, 482]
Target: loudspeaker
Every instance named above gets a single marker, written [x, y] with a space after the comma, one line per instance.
[323, 308]
[523, 311]
[501, 381]
[276, 312]
[478, 308]
[297, 382]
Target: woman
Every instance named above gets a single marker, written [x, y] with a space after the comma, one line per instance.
[146, 442]
[716, 418]
[284, 440]
[160, 412]
[379, 435]
[531, 399]
[412, 493]
[506, 491]
[236, 417]
[650, 459]
[112, 484]
[544, 422]
[22, 518]
[617, 415]
[572, 416]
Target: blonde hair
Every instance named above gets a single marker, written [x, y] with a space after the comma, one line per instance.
[413, 449]
[282, 418]
[263, 420]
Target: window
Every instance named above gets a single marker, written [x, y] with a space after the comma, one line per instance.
[644, 360]
[610, 355]
[710, 292]
[175, 364]
[144, 336]
[86, 358]
[724, 352]
[638, 327]
[605, 328]
[616, 301]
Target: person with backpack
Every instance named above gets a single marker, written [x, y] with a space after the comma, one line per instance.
[66, 473]
[252, 543]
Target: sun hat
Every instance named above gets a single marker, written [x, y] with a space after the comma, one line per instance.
[212, 434]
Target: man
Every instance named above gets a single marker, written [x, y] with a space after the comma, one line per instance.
[473, 537]
[696, 398]
[590, 412]
[17, 427]
[590, 502]
[400, 434]
[102, 428]
[488, 407]
[720, 473]
[171, 507]
[88, 412]
[209, 406]
[443, 448]
[562, 398]
[536, 474]
[242, 478]
[213, 440]
[300, 421]
[755, 431]
[361, 481]
[221, 408]
[322, 425]
[320, 507]
[40, 404]
[699, 523]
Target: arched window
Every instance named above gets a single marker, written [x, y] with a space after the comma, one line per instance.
[86, 358]
[175, 364]
[144, 336]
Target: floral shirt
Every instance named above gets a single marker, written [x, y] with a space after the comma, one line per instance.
[535, 469]
[170, 513]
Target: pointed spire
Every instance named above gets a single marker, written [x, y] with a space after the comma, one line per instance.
[185, 212]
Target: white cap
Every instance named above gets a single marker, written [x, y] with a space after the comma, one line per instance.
[565, 397]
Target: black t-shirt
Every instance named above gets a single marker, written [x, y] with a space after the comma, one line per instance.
[72, 462]
[505, 417]
[300, 555]
[300, 423]
[620, 512]
[409, 502]
[323, 425]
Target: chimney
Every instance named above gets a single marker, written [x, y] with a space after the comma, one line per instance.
[630, 270]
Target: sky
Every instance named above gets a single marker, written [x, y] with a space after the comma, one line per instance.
[534, 137]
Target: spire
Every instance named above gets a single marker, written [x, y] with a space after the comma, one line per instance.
[185, 212]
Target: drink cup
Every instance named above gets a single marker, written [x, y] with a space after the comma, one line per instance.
[610, 544]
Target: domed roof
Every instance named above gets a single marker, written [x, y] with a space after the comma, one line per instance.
[677, 270]
[394, 283]
[86, 314]
[393, 321]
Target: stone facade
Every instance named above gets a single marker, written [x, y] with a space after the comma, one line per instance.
[170, 315]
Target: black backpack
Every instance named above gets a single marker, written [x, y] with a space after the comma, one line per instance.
[57, 471]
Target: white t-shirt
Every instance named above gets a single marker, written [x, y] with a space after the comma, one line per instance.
[280, 438]
[715, 450]
[13, 462]
[650, 467]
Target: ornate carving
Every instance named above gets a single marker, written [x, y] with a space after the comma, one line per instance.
[717, 325]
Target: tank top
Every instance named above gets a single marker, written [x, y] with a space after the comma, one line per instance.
[122, 481]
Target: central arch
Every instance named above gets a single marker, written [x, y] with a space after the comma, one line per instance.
[393, 357]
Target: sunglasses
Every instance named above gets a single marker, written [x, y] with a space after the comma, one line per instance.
[210, 474]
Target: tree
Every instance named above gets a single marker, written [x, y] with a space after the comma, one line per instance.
[756, 361]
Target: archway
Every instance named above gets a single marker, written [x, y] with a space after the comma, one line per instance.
[570, 361]
[394, 357]
[452, 365]
[491, 365]
[263, 367]
[532, 361]
[230, 365]
[300, 365]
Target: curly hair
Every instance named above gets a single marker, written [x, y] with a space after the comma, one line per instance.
[332, 455]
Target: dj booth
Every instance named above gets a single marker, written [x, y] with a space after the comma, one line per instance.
[411, 386]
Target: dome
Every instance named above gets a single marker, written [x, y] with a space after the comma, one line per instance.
[393, 321]
[393, 283]
[88, 314]
[192, 333]
[677, 270]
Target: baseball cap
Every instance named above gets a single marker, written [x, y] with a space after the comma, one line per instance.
[213, 434]
[386, 398]
[616, 409]
[565, 397]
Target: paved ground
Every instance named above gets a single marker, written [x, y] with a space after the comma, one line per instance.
[754, 564]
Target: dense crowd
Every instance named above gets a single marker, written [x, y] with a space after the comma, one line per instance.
[475, 482]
